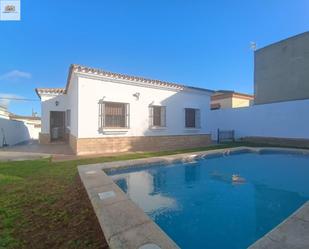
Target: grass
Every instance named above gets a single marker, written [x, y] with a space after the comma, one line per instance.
[43, 204]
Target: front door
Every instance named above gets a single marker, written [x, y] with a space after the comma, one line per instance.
[57, 126]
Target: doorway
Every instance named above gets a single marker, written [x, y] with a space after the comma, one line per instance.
[57, 126]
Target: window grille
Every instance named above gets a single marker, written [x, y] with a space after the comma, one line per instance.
[157, 116]
[192, 118]
[113, 115]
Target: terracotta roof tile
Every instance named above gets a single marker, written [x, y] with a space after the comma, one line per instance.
[154, 82]
[40, 91]
[74, 68]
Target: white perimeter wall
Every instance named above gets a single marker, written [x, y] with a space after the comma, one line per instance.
[15, 132]
[91, 90]
[33, 131]
[285, 119]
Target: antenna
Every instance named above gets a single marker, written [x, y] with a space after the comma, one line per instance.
[253, 45]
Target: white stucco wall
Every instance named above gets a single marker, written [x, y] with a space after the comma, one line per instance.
[65, 101]
[91, 90]
[48, 103]
[15, 132]
[33, 131]
[240, 102]
[285, 119]
[72, 104]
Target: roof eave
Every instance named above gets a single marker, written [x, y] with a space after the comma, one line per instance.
[37, 92]
[167, 85]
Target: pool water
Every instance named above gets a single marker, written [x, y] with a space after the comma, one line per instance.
[199, 206]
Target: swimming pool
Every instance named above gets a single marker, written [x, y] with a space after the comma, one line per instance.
[199, 206]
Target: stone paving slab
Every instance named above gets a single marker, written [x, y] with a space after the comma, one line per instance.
[120, 217]
[107, 189]
[141, 235]
[303, 213]
[6, 156]
[90, 178]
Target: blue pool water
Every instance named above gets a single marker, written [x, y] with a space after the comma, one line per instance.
[198, 206]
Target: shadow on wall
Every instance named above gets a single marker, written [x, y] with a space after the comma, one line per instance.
[13, 132]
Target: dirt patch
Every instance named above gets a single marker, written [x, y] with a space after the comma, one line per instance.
[65, 222]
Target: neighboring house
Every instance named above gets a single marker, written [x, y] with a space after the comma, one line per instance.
[16, 129]
[281, 70]
[229, 99]
[33, 123]
[280, 114]
[4, 113]
[102, 112]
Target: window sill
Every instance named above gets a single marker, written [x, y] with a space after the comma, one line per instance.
[158, 128]
[115, 129]
[192, 129]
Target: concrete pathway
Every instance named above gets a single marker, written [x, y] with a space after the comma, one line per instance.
[20, 156]
[57, 151]
[33, 150]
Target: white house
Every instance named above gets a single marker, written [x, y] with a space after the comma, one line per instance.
[103, 112]
[17, 129]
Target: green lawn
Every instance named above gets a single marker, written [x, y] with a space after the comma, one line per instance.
[44, 205]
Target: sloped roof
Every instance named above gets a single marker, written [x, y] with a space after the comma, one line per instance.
[88, 70]
[40, 91]
[75, 68]
[222, 94]
[15, 116]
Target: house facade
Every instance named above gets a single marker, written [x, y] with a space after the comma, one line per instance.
[104, 112]
[230, 99]
[281, 71]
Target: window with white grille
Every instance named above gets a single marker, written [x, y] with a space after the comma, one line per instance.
[192, 118]
[113, 115]
[157, 116]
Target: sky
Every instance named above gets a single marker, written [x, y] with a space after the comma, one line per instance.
[198, 43]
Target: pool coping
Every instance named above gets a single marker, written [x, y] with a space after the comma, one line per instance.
[125, 225]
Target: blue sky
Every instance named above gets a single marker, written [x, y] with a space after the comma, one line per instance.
[200, 43]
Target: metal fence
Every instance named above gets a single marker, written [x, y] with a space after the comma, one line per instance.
[225, 136]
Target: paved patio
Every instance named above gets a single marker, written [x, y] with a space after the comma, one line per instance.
[33, 150]
[57, 151]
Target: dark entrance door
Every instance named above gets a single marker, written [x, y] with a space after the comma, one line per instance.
[57, 126]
